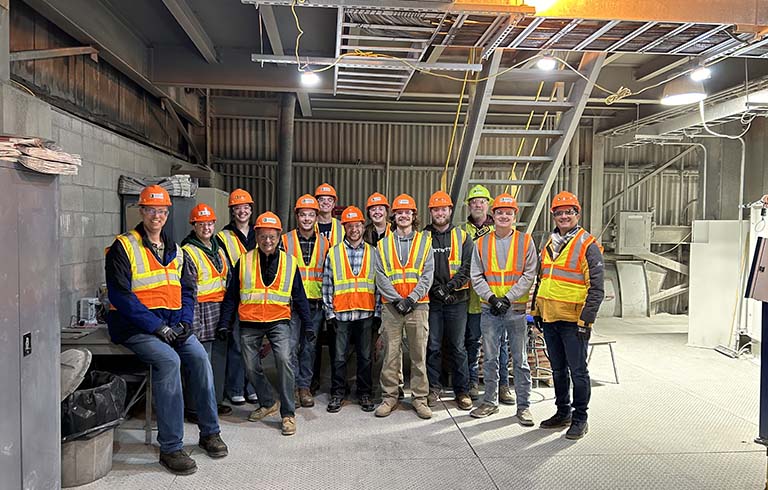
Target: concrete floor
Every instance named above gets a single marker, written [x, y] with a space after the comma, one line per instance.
[681, 418]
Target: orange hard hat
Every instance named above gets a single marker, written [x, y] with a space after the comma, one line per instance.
[268, 220]
[404, 201]
[239, 196]
[352, 214]
[376, 199]
[201, 213]
[325, 190]
[306, 202]
[440, 199]
[565, 198]
[505, 200]
[154, 195]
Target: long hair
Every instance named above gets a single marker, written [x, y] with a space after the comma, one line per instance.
[416, 221]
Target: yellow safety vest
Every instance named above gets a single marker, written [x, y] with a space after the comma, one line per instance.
[563, 279]
[211, 283]
[261, 302]
[405, 277]
[312, 273]
[232, 245]
[501, 279]
[337, 232]
[352, 292]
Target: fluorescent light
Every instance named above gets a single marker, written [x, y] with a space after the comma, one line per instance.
[701, 73]
[547, 63]
[681, 91]
[309, 78]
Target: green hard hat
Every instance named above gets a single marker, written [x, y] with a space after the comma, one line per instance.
[478, 191]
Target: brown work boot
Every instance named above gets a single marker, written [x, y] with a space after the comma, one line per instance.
[305, 398]
[289, 426]
[386, 407]
[506, 396]
[178, 462]
[474, 391]
[262, 412]
[433, 397]
[463, 401]
[422, 409]
[214, 446]
[525, 417]
[484, 410]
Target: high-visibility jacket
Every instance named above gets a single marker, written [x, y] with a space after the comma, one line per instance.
[155, 285]
[337, 232]
[352, 292]
[404, 277]
[458, 237]
[312, 273]
[501, 279]
[261, 302]
[232, 245]
[472, 231]
[563, 279]
[211, 283]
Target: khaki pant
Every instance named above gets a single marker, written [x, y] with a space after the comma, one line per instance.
[417, 332]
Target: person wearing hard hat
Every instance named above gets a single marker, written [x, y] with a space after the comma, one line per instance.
[452, 249]
[404, 269]
[568, 295]
[351, 303]
[503, 269]
[205, 266]
[309, 248]
[151, 313]
[236, 238]
[329, 226]
[480, 223]
[377, 208]
[265, 288]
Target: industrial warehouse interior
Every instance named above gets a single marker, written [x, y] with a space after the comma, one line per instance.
[614, 152]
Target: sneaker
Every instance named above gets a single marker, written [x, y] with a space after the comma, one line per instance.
[577, 430]
[366, 404]
[305, 398]
[474, 391]
[253, 399]
[484, 410]
[288, 426]
[433, 397]
[178, 462]
[556, 421]
[386, 407]
[463, 402]
[422, 408]
[525, 417]
[237, 400]
[224, 409]
[214, 446]
[262, 412]
[335, 404]
[506, 396]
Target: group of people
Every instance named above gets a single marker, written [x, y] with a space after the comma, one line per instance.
[199, 313]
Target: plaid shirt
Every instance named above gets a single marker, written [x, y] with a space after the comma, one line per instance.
[355, 255]
[206, 314]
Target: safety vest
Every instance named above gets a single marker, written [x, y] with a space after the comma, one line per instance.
[474, 299]
[154, 284]
[352, 292]
[405, 277]
[337, 232]
[232, 245]
[266, 303]
[563, 279]
[312, 273]
[458, 237]
[501, 279]
[211, 284]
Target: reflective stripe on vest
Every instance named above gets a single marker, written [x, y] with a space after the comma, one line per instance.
[232, 245]
[562, 279]
[458, 237]
[352, 292]
[312, 273]
[501, 279]
[266, 303]
[211, 284]
[405, 277]
[155, 285]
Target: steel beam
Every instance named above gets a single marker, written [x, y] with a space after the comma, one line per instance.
[597, 183]
[42, 54]
[590, 66]
[270, 25]
[664, 262]
[366, 62]
[629, 37]
[659, 66]
[660, 40]
[500, 35]
[561, 33]
[192, 27]
[168, 106]
[304, 104]
[459, 6]
[700, 38]
[593, 37]
[526, 32]
[337, 48]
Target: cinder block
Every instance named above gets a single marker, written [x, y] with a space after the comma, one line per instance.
[111, 202]
[66, 224]
[77, 126]
[93, 149]
[85, 175]
[85, 224]
[103, 225]
[72, 251]
[93, 200]
[71, 141]
[94, 275]
[61, 120]
[125, 161]
[66, 277]
[71, 198]
[94, 248]
[104, 178]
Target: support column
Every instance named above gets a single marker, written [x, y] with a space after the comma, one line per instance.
[285, 156]
[597, 181]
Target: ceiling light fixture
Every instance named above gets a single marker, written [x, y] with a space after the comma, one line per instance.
[546, 63]
[309, 78]
[681, 91]
[700, 74]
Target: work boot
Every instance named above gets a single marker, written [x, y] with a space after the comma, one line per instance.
[474, 391]
[214, 446]
[525, 417]
[366, 404]
[262, 412]
[178, 462]
[433, 397]
[253, 399]
[224, 409]
[577, 430]
[556, 421]
[335, 404]
[305, 397]
[506, 396]
[237, 400]
[289, 426]
[422, 408]
[387, 405]
[463, 401]
[484, 410]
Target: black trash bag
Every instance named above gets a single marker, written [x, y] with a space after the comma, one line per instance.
[97, 405]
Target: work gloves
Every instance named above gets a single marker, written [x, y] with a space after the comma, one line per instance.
[538, 323]
[176, 335]
[166, 334]
[222, 333]
[443, 294]
[499, 306]
[584, 333]
[404, 306]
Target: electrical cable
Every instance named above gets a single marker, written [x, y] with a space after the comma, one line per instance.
[676, 245]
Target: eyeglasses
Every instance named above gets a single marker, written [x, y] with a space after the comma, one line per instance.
[570, 212]
[156, 212]
[268, 238]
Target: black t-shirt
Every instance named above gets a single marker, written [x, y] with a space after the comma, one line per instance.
[325, 229]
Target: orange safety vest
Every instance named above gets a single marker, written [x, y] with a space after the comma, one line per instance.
[405, 277]
[266, 303]
[211, 284]
[458, 237]
[563, 279]
[232, 245]
[337, 232]
[155, 285]
[352, 292]
[312, 273]
[501, 279]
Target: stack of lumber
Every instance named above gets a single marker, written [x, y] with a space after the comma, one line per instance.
[38, 154]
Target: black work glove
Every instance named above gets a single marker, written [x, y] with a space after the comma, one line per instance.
[499, 306]
[331, 324]
[166, 334]
[440, 293]
[404, 306]
[183, 332]
[222, 333]
[584, 333]
[450, 299]
[538, 323]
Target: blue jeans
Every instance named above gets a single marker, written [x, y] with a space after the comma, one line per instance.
[568, 355]
[449, 322]
[472, 343]
[236, 383]
[166, 363]
[358, 333]
[217, 356]
[493, 328]
[279, 337]
[304, 345]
